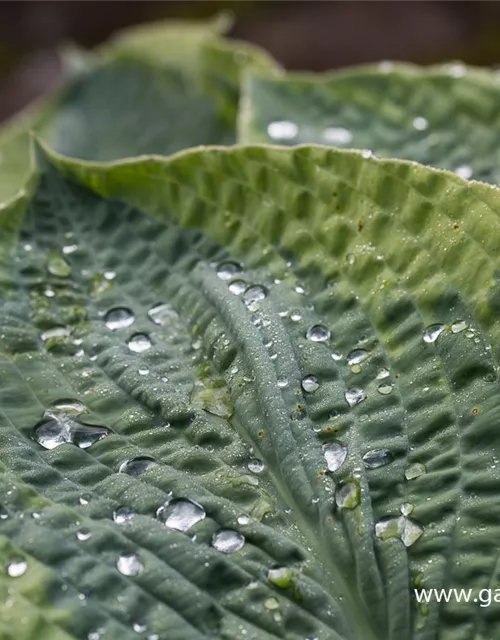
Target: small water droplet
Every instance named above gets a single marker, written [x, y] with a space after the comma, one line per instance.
[357, 356]
[139, 342]
[271, 604]
[318, 333]
[49, 292]
[228, 541]
[336, 355]
[310, 384]
[57, 266]
[83, 534]
[377, 458]
[69, 248]
[281, 577]
[415, 470]
[143, 371]
[244, 519]
[129, 565]
[385, 389]
[137, 466]
[337, 136]
[253, 295]
[57, 332]
[383, 373]
[256, 466]
[295, 316]
[298, 288]
[354, 396]
[16, 567]
[110, 275]
[227, 270]
[406, 508]
[237, 287]
[282, 382]
[458, 326]
[457, 70]
[119, 318]
[420, 123]
[139, 627]
[123, 515]
[180, 514]
[282, 130]
[348, 495]
[464, 171]
[335, 455]
[432, 332]
[162, 314]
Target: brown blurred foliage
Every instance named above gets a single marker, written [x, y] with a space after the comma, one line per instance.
[305, 34]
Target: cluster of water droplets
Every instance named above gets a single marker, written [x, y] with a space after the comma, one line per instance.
[287, 131]
[403, 527]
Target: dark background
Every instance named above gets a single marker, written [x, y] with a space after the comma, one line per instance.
[305, 34]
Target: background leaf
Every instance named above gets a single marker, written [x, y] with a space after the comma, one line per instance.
[444, 116]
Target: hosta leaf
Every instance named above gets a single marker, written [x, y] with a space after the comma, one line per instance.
[338, 315]
[444, 116]
[124, 102]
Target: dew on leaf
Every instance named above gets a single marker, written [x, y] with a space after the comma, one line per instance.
[310, 384]
[337, 136]
[415, 470]
[119, 318]
[336, 355]
[139, 342]
[348, 494]
[271, 604]
[335, 454]
[237, 287]
[406, 508]
[57, 332]
[57, 429]
[357, 356]
[162, 314]
[376, 458]
[67, 406]
[137, 466]
[227, 270]
[83, 534]
[228, 541]
[420, 123]
[129, 565]
[318, 333]
[404, 528]
[57, 266]
[432, 332]
[49, 292]
[383, 373]
[281, 577]
[69, 248]
[295, 316]
[458, 326]
[180, 514]
[256, 466]
[123, 515]
[282, 382]
[464, 171]
[354, 396]
[244, 519]
[16, 567]
[282, 130]
[385, 389]
[143, 371]
[253, 295]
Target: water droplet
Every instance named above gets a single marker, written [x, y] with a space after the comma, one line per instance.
[181, 514]
[458, 326]
[57, 429]
[281, 577]
[69, 248]
[357, 356]
[57, 332]
[350, 258]
[3, 513]
[464, 171]
[271, 604]
[298, 288]
[282, 130]
[336, 356]
[406, 508]
[228, 540]
[432, 332]
[295, 316]
[83, 534]
[137, 466]
[57, 266]
[253, 295]
[139, 627]
[143, 371]
[119, 318]
[110, 275]
[335, 454]
[237, 287]
[282, 382]
[406, 529]
[129, 565]
[123, 515]
[383, 373]
[377, 458]
[162, 314]
[16, 567]
[420, 123]
[310, 384]
[354, 396]
[337, 136]
[385, 389]
[348, 495]
[49, 292]
[367, 153]
[318, 333]
[227, 270]
[256, 466]
[457, 70]
[415, 470]
[139, 342]
[244, 519]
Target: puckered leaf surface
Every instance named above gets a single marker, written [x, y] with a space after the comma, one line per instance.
[321, 384]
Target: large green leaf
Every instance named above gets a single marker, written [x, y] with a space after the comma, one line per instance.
[154, 90]
[445, 116]
[321, 304]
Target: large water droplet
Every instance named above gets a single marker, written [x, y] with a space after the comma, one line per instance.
[57, 429]
[432, 332]
[137, 466]
[129, 565]
[354, 396]
[256, 466]
[415, 470]
[119, 318]
[337, 136]
[253, 295]
[335, 454]
[377, 458]
[357, 356]
[181, 514]
[282, 130]
[123, 515]
[406, 529]
[162, 314]
[228, 540]
[139, 342]
[57, 266]
[310, 384]
[227, 270]
[318, 333]
[348, 495]
[16, 567]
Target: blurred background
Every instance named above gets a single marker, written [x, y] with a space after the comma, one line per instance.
[303, 34]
